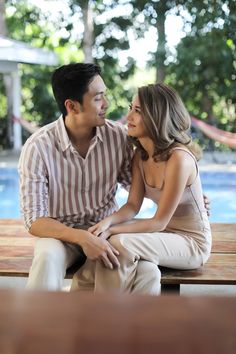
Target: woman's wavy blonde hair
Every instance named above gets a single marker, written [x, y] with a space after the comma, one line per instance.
[166, 119]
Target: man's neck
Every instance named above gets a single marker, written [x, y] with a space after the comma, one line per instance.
[79, 136]
[78, 133]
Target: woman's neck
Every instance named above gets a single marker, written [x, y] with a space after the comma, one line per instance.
[148, 145]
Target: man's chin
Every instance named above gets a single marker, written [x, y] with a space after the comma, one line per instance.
[101, 120]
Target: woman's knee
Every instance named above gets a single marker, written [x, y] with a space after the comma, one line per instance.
[120, 243]
[148, 278]
[126, 252]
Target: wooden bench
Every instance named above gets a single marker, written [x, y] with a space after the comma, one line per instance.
[57, 322]
[16, 253]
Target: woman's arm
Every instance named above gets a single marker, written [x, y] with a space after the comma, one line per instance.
[180, 171]
[131, 207]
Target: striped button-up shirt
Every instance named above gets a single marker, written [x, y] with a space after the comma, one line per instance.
[56, 182]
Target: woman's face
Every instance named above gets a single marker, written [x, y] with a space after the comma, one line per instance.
[136, 126]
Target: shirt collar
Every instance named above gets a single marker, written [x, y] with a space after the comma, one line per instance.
[100, 132]
[64, 138]
[62, 134]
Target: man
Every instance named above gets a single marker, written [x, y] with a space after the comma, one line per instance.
[69, 172]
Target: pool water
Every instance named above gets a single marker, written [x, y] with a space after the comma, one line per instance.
[220, 187]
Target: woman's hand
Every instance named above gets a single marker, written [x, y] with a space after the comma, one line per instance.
[100, 227]
[106, 234]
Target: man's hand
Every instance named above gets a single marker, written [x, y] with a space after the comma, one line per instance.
[98, 249]
[207, 204]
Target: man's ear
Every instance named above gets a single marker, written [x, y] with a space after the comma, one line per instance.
[72, 106]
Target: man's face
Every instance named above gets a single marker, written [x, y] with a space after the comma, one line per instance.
[94, 106]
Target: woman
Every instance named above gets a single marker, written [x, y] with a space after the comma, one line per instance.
[164, 170]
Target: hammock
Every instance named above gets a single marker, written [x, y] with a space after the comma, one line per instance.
[30, 126]
[214, 133]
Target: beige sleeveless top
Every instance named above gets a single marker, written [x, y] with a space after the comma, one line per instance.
[190, 217]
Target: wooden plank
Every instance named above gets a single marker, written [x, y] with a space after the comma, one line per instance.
[15, 266]
[223, 238]
[16, 248]
[220, 269]
[16, 241]
[19, 251]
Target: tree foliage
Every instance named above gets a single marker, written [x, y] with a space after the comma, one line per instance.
[202, 68]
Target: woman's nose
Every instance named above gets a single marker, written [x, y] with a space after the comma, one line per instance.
[129, 115]
[127, 118]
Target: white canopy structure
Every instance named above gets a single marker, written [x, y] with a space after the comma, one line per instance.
[11, 54]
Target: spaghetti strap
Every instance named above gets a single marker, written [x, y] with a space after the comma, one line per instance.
[190, 153]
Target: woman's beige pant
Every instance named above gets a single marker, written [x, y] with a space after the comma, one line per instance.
[139, 253]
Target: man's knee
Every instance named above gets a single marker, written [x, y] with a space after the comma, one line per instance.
[50, 250]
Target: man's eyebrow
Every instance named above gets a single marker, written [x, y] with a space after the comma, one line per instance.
[100, 93]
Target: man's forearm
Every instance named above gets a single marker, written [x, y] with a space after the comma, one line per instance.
[93, 247]
[47, 227]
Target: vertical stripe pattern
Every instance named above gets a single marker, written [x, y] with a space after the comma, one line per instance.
[56, 182]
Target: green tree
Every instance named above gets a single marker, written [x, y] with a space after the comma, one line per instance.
[154, 14]
[204, 71]
[104, 37]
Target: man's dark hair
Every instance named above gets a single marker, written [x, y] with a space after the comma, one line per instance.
[71, 82]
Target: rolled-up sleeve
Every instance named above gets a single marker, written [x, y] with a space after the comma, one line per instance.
[33, 184]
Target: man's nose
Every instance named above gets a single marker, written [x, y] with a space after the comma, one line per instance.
[105, 102]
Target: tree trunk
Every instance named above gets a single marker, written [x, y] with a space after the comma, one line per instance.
[207, 107]
[3, 30]
[161, 9]
[88, 31]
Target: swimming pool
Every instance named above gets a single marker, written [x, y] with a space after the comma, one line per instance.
[220, 187]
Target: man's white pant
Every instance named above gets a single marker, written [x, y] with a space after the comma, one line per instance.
[52, 257]
[51, 260]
